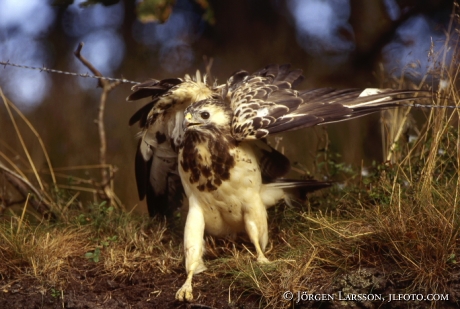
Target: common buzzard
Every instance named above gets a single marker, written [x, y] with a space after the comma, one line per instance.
[220, 162]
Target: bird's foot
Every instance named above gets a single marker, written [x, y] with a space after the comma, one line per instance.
[262, 260]
[185, 293]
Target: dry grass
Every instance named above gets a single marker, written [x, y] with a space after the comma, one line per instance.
[109, 242]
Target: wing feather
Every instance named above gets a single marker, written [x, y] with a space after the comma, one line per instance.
[273, 164]
[261, 107]
[329, 106]
[152, 88]
[161, 123]
[142, 114]
[259, 99]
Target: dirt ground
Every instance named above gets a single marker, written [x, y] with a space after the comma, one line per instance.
[87, 290]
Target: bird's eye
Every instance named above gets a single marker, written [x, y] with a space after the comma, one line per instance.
[204, 115]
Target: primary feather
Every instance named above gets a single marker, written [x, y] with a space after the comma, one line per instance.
[261, 108]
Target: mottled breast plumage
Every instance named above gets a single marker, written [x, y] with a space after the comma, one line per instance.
[207, 157]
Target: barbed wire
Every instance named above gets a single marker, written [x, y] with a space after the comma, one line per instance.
[127, 81]
[431, 106]
[45, 69]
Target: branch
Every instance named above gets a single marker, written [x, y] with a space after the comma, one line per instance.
[24, 187]
[107, 86]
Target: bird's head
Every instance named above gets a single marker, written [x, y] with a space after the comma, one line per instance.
[204, 114]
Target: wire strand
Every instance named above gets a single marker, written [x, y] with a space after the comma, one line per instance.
[127, 81]
[45, 69]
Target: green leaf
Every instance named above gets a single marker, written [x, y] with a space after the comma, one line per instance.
[154, 10]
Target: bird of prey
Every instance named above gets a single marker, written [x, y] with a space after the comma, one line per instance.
[161, 123]
[221, 162]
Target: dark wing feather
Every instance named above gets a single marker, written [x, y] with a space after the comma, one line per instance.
[236, 79]
[157, 181]
[259, 99]
[164, 189]
[160, 192]
[262, 108]
[152, 88]
[141, 169]
[141, 115]
[287, 76]
[280, 76]
[273, 164]
[323, 106]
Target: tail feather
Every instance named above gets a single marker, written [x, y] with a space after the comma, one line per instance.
[309, 184]
[289, 189]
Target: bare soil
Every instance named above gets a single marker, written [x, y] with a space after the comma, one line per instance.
[86, 289]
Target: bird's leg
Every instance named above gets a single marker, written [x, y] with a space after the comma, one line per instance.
[255, 222]
[193, 247]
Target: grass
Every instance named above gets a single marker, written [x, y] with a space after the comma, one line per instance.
[393, 229]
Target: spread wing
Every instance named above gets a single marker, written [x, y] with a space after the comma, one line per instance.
[155, 164]
[328, 105]
[264, 105]
[161, 133]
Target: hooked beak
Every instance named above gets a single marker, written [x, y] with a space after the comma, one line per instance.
[188, 121]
